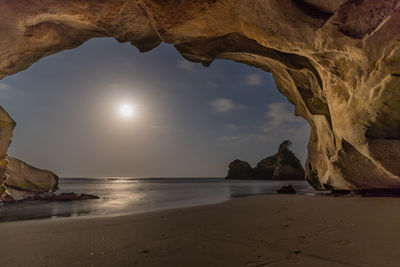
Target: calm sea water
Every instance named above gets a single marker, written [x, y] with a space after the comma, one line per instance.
[133, 195]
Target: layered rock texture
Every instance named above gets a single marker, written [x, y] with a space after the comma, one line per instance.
[19, 180]
[337, 61]
[22, 181]
[284, 165]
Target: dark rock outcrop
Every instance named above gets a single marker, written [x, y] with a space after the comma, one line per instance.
[286, 189]
[239, 169]
[337, 61]
[64, 197]
[49, 197]
[284, 165]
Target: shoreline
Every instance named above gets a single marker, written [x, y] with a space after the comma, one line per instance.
[267, 230]
[94, 216]
[140, 197]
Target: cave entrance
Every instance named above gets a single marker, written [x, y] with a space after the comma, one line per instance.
[183, 119]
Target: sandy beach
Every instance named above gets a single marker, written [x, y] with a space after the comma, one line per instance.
[278, 230]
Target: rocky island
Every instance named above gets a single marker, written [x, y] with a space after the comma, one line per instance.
[284, 165]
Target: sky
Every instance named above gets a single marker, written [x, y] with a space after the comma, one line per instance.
[188, 120]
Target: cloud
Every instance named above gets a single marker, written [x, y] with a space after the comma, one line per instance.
[285, 132]
[225, 105]
[232, 126]
[186, 65]
[252, 79]
[283, 123]
[238, 138]
[4, 90]
[280, 113]
[229, 138]
[4, 86]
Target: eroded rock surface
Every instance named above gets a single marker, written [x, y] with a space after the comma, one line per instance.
[25, 182]
[337, 61]
[22, 181]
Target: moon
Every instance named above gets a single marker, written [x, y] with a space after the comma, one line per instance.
[126, 110]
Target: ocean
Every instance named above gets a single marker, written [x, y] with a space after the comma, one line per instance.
[120, 196]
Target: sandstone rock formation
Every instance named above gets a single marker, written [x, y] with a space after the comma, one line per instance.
[282, 166]
[23, 181]
[337, 61]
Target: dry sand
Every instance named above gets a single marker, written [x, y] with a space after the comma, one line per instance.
[254, 231]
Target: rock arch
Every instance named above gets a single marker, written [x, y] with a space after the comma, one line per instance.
[337, 61]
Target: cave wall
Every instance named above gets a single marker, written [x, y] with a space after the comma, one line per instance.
[337, 61]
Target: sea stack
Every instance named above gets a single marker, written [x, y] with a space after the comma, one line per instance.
[284, 165]
[239, 169]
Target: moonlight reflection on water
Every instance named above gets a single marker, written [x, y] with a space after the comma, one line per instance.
[134, 195]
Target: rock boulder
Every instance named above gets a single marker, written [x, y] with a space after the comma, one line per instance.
[23, 181]
[286, 189]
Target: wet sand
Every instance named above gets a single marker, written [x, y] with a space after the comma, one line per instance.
[278, 230]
